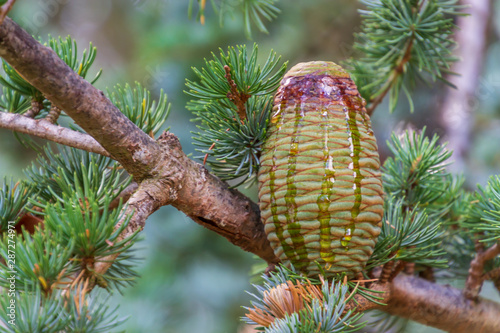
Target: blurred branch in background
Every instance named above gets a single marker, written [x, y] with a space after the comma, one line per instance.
[458, 103]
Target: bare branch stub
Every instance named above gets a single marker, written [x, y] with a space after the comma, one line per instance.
[5, 9]
[386, 271]
[397, 71]
[238, 98]
[44, 129]
[398, 269]
[475, 278]
[36, 107]
[54, 114]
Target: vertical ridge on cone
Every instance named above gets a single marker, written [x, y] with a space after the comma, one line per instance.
[320, 186]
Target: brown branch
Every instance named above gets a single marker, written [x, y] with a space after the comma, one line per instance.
[5, 9]
[396, 72]
[475, 279]
[46, 130]
[175, 178]
[238, 98]
[439, 306]
[54, 114]
[85, 104]
[36, 107]
[210, 202]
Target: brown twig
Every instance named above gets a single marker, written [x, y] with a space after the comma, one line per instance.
[475, 279]
[36, 107]
[43, 129]
[54, 114]
[396, 72]
[238, 98]
[398, 269]
[5, 9]
[386, 271]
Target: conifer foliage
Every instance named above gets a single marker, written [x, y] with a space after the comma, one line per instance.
[64, 217]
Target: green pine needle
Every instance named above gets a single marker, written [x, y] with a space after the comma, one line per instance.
[40, 260]
[13, 101]
[13, 199]
[135, 103]
[231, 145]
[484, 215]
[417, 170]
[399, 41]
[56, 174]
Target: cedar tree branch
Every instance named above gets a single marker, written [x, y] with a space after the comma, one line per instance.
[396, 72]
[167, 176]
[171, 176]
[439, 306]
[86, 105]
[46, 130]
[475, 278]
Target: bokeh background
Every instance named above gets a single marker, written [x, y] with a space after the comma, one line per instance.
[193, 280]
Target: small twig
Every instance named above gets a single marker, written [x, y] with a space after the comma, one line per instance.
[46, 130]
[206, 155]
[54, 114]
[396, 72]
[398, 269]
[238, 98]
[5, 9]
[386, 271]
[475, 278]
[36, 107]
[361, 278]
[410, 268]
[492, 275]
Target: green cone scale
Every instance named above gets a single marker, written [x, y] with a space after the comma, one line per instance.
[320, 186]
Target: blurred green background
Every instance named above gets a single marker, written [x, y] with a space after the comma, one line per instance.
[193, 280]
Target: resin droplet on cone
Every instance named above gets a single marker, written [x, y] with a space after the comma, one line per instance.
[320, 186]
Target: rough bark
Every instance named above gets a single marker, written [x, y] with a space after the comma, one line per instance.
[86, 105]
[439, 306]
[46, 130]
[167, 176]
[171, 176]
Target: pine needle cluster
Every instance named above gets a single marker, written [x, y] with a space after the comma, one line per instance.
[254, 12]
[400, 43]
[63, 222]
[233, 101]
[67, 216]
